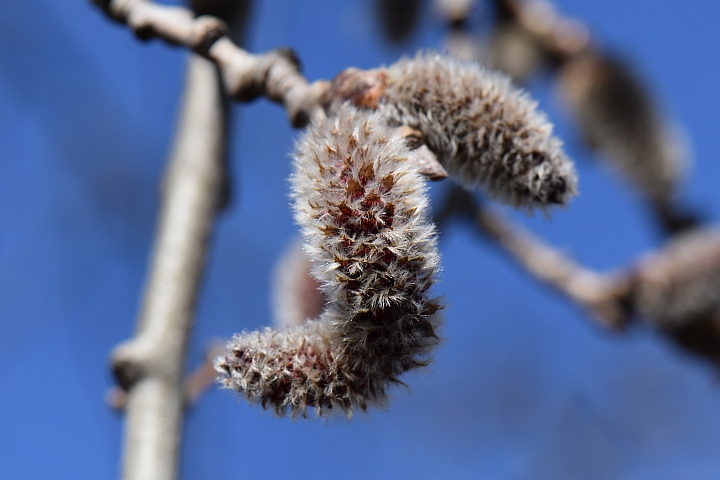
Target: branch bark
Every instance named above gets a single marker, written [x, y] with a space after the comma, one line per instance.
[150, 365]
[275, 74]
[602, 295]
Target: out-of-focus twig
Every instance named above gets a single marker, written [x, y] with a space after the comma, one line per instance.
[203, 377]
[560, 37]
[149, 367]
[675, 289]
[600, 294]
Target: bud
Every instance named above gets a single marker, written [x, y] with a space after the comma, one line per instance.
[483, 130]
[362, 207]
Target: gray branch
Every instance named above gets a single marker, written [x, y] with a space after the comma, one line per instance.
[598, 293]
[150, 365]
[601, 294]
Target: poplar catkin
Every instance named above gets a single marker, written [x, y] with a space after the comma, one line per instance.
[680, 284]
[362, 207]
[486, 132]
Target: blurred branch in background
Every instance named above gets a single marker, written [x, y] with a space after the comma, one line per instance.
[599, 294]
[196, 383]
[150, 366]
[675, 289]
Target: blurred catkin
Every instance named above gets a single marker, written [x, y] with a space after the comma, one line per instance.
[362, 208]
[513, 50]
[398, 18]
[677, 289]
[296, 296]
[681, 283]
[618, 119]
[485, 132]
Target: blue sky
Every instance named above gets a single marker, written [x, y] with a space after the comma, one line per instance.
[524, 385]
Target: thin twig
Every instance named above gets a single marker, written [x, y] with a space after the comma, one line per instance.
[600, 294]
[204, 376]
[275, 74]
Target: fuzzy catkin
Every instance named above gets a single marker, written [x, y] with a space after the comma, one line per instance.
[362, 208]
[483, 130]
[680, 285]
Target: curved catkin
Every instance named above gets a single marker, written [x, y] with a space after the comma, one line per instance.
[362, 208]
[680, 285]
[484, 131]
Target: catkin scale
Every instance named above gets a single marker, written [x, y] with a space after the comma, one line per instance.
[485, 132]
[362, 208]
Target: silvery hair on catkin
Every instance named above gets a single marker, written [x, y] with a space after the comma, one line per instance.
[486, 132]
[362, 207]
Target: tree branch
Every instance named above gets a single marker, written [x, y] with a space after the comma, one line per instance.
[600, 294]
[275, 74]
[150, 365]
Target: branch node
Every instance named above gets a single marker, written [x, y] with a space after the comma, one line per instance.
[206, 31]
[130, 362]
